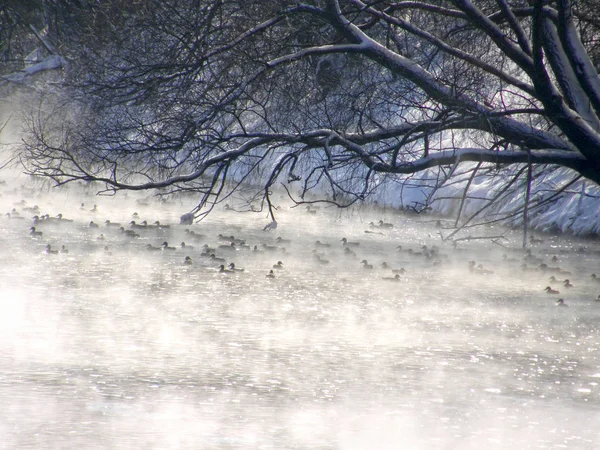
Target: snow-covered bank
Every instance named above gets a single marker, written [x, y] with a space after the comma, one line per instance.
[559, 200]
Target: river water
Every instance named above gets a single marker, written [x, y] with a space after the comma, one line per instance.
[112, 345]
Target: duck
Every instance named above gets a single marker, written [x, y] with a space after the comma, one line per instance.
[232, 266]
[567, 283]
[195, 235]
[280, 240]
[214, 258]
[161, 226]
[394, 278]
[138, 226]
[347, 243]
[165, 246]
[129, 233]
[533, 240]
[187, 261]
[94, 209]
[549, 290]
[60, 218]
[230, 246]
[207, 249]
[321, 244]
[12, 216]
[279, 265]
[222, 269]
[101, 237]
[401, 270]
[594, 277]
[64, 249]
[310, 211]
[145, 224]
[553, 280]
[271, 274]
[349, 252]
[598, 298]
[108, 223]
[93, 225]
[383, 224]
[33, 232]
[561, 302]
[185, 246]
[50, 251]
[366, 265]
[152, 248]
[318, 258]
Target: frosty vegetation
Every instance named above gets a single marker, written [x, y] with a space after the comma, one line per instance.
[478, 102]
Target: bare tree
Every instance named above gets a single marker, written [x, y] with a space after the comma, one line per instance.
[344, 94]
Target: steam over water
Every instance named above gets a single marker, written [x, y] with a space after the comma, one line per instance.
[131, 348]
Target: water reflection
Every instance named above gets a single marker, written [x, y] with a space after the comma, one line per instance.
[114, 346]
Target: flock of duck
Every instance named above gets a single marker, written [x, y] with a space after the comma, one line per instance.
[219, 253]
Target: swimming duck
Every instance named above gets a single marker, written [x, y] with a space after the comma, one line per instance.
[394, 278]
[349, 252]
[232, 266]
[152, 248]
[280, 240]
[64, 249]
[50, 251]
[346, 243]
[11, 216]
[549, 290]
[228, 247]
[321, 244]
[310, 211]
[214, 258]
[138, 226]
[383, 224]
[161, 226]
[561, 302]
[165, 246]
[594, 277]
[135, 215]
[401, 270]
[553, 280]
[145, 224]
[207, 249]
[195, 235]
[101, 237]
[271, 274]
[279, 265]
[366, 265]
[567, 283]
[185, 246]
[108, 223]
[187, 261]
[222, 269]
[33, 232]
[598, 298]
[93, 225]
[60, 218]
[129, 233]
[318, 258]
[94, 209]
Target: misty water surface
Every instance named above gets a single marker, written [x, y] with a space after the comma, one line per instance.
[112, 345]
